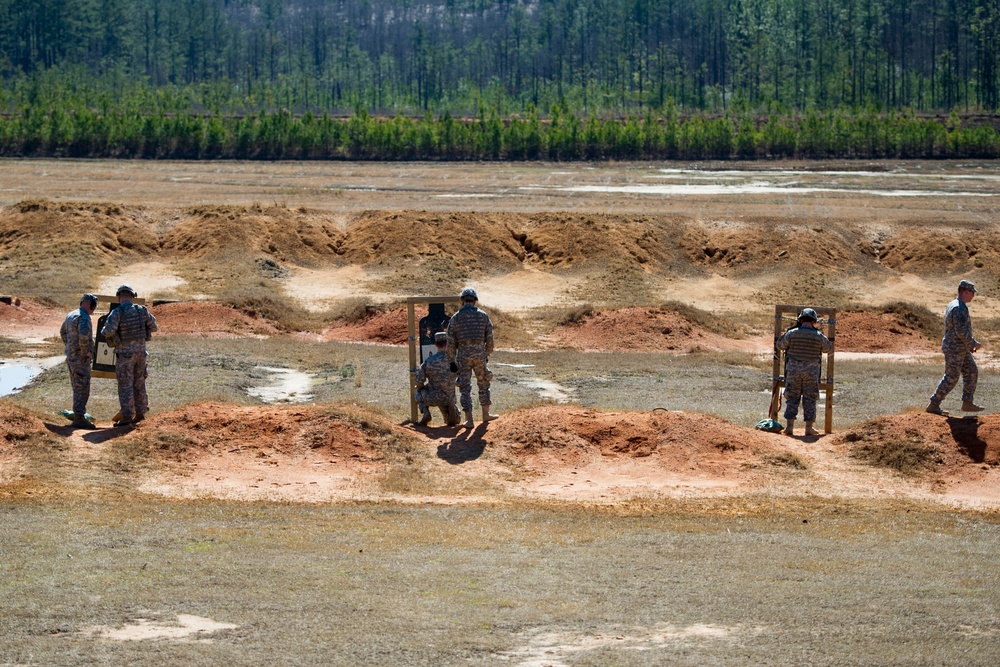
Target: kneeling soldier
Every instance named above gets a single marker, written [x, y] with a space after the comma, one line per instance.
[439, 389]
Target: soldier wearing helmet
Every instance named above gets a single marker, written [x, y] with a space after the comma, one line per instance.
[127, 329]
[470, 343]
[77, 333]
[958, 346]
[804, 346]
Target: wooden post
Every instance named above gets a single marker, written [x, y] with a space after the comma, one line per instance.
[827, 316]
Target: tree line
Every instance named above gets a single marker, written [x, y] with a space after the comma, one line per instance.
[603, 58]
[561, 135]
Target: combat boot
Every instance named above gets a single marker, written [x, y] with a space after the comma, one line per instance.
[969, 406]
[486, 414]
[810, 430]
[425, 417]
[452, 417]
[468, 420]
[935, 409]
[789, 427]
[81, 422]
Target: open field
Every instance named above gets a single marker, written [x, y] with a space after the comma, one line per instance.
[278, 505]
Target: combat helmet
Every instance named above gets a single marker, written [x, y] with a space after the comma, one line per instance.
[126, 289]
[808, 314]
[469, 293]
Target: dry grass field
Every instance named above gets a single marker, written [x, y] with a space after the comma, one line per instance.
[278, 506]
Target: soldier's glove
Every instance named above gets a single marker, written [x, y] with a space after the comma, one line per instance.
[453, 367]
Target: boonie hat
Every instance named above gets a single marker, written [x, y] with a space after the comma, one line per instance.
[967, 285]
[126, 289]
[441, 337]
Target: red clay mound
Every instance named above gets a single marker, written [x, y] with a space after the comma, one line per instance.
[209, 320]
[189, 433]
[951, 446]
[388, 326]
[16, 425]
[880, 332]
[689, 443]
[637, 329]
[28, 314]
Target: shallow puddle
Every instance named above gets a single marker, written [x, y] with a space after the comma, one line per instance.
[286, 386]
[16, 374]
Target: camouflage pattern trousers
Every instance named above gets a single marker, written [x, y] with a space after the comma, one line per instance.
[466, 367]
[130, 370]
[801, 382]
[958, 364]
[79, 379]
[429, 397]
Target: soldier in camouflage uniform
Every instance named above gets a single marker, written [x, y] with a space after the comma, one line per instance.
[958, 346]
[470, 343]
[127, 329]
[77, 333]
[804, 346]
[436, 384]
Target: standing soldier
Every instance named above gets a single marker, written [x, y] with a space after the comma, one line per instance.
[470, 343]
[958, 346]
[439, 389]
[804, 346]
[127, 329]
[77, 333]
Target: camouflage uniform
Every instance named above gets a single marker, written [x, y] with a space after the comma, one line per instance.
[804, 348]
[439, 389]
[957, 346]
[130, 326]
[77, 333]
[470, 343]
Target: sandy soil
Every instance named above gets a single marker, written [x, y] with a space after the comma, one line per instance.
[544, 239]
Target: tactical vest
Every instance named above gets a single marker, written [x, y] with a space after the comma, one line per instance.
[805, 345]
[132, 325]
[470, 326]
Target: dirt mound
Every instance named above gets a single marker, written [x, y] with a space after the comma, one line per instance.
[40, 229]
[763, 244]
[288, 235]
[377, 326]
[880, 332]
[680, 441]
[208, 319]
[939, 250]
[21, 312]
[637, 329]
[952, 447]
[16, 425]
[195, 431]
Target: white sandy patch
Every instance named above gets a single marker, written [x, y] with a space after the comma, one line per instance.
[187, 626]
[526, 289]
[286, 386]
[557, 649]
[147, 278]
[319, 289]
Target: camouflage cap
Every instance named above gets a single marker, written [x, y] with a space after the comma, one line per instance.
[967, 285]
[91, 298]
[469, 293]
[126, 289]
[441, 337]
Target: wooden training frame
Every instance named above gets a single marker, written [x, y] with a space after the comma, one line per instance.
[411, 324]
[827, 317]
